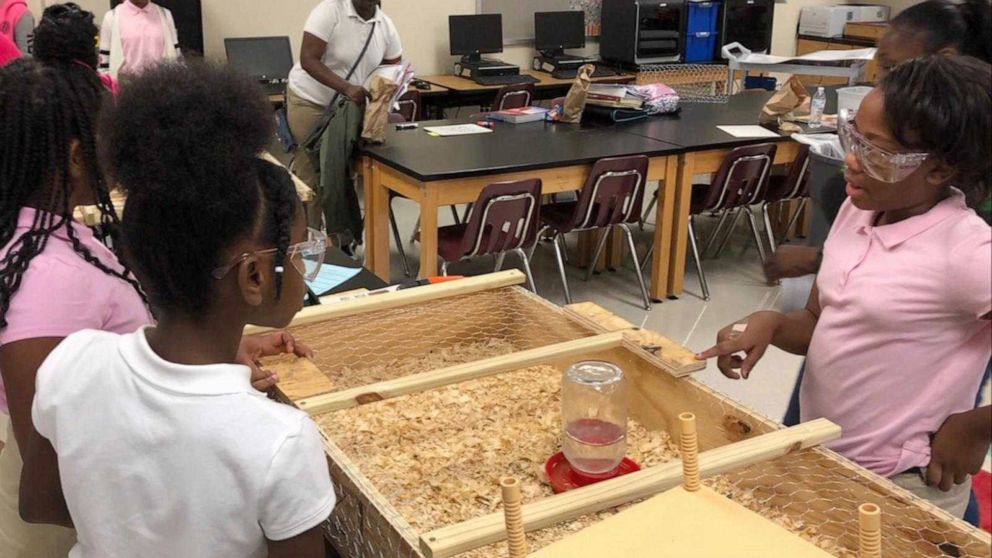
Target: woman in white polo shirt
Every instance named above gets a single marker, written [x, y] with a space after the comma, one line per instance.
[333, 38]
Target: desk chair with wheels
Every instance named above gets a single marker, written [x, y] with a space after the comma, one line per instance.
[740, 183]
[505, 219]
[612, 197]
[514, 96]
[787, 188]
[411, 106]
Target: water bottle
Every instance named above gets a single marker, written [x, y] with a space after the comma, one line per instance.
[594, 417]
[816, 108]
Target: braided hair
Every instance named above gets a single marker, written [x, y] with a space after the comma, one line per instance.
[188, 162]
[46, 104]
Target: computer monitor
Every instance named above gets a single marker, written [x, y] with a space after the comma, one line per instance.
[473, 35]
[263, 58]
[556, 31]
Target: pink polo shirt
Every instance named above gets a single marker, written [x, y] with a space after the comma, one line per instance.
[61, 293]
[900, 344]
[141, 36]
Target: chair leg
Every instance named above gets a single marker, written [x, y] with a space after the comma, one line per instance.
[769, 231]
[599, 252]
[695, 256]
[540, 235]
[399, 242]
[468, 213]
[757, 235]
[454, 213]
[561, 270]
[716, 232]
[564, 247]
[416, 229]
[647, 258]
[651, 204]
[633, 254]
[499, 260]
[444, 269]
[530, 274]
[730, 231]
[794, 220]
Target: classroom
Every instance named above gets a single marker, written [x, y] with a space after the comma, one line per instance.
[496, 278]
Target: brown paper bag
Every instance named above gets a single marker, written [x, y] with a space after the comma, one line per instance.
[575, 102]
[378, 108]
[789, 104]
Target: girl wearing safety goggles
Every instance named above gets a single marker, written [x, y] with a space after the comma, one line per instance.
[897, 330]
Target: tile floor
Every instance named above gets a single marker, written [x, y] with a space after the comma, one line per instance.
[737, 289]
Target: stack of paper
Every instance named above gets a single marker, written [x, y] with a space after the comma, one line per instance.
[614, 96]
[400, 74]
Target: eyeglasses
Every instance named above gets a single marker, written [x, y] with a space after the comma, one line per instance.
[306, 257]
[878, 163]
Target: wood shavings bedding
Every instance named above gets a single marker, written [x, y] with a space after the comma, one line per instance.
[438, 455]
[350, 377]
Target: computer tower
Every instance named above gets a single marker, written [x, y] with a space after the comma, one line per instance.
[189, 22]
[637, 32]
[748, 22]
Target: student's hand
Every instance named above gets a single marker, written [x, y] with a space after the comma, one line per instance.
[958, 449]
[753, 341]
[255, 347]
[792, 261]
[358, 94]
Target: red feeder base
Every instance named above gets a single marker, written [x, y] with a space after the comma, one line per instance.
[564, 478]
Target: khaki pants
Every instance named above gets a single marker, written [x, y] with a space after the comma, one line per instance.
[17, 538]
[954, 502]
[303, 116]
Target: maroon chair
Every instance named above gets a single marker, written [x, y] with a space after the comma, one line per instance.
[514, 96]
[612, 197]
[740, 182]
[505, 218]
[410, 106]
[787, 188]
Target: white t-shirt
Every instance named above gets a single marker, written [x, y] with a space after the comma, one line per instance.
[161, 459]
[338, 24]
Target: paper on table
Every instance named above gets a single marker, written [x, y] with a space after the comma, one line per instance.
[457, 130]
[331, 277]
[749, 132]
[819, 56]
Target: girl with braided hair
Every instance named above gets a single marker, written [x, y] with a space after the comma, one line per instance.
[56, 277]
[163, 448]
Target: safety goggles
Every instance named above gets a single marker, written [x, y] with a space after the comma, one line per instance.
[306, 257]
[877, 163]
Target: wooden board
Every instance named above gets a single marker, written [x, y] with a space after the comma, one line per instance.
[299, 378]
[677, 359]
[870, 31]
[701, 524]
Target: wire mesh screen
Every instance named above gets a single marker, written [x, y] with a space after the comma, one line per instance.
[367, 348]
[694, 83]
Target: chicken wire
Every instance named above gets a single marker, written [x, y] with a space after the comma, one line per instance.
[378, 346]
[694, 83]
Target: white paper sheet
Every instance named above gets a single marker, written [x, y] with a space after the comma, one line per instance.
[457, 130]
[749, 132]
[818, 56]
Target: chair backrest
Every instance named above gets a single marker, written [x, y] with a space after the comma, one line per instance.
[505, 217]
[410, 106]
[396, 118]
[795, 184]
[514, 96]
[742, 178]
[613, 193]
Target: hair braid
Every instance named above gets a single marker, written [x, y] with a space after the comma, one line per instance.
[280, 207]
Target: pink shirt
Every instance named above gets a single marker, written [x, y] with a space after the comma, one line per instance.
[61, 293]
[141, 36]
[900, 344]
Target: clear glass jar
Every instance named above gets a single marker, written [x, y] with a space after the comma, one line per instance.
[594, 417]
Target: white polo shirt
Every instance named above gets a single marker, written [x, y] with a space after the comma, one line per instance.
[338, 24]
[160, 459]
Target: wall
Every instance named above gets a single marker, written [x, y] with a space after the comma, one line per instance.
[423, 25]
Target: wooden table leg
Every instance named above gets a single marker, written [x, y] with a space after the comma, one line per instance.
[680, 224]
[660, 260]
[428, 232]
[377, 225]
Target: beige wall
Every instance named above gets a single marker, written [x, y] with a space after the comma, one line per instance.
[423, 25]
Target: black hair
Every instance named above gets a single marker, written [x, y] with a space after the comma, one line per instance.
[44, 108]
[183, 142]
[965, 25]
[943, 105]
[66, 34]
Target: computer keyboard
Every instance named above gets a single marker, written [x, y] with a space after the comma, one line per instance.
[505, 80]
[569, 74]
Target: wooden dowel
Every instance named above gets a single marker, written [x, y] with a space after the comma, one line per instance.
[689, 448]
[870, 531]
[388, 389]
[513, 517]
[405, 297]
[482, 531]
